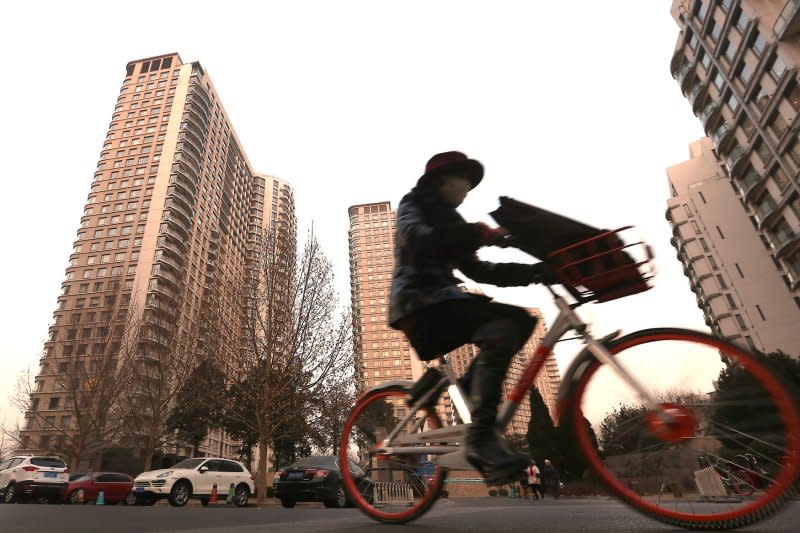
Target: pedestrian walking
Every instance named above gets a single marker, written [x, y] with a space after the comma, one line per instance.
[552, 482]
[535, 480]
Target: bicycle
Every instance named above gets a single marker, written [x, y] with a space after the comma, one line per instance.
[688, 393]
[739, 478]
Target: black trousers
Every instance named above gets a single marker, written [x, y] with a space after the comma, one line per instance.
[445, 326]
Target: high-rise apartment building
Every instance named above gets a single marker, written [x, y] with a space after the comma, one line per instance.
[735, 279]
[736, 62]
[174, 210]
[383, 353]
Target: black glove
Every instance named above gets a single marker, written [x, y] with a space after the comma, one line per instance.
[542, 273]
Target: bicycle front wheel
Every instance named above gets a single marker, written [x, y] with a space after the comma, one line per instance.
[392, 488]
[716, 402]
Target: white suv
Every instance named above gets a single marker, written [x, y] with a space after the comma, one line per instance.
[195, 478]
[40, 477]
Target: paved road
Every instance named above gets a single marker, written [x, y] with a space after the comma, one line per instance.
[484, 515]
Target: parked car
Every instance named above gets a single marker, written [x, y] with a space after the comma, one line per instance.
[42, 478]
[194, 478]
[317, 478]
[86, 486]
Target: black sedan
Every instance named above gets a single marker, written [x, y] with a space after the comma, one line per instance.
[317, 478]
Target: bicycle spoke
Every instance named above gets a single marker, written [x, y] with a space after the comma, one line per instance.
[728, 409]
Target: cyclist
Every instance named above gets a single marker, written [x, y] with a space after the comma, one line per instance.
[437, 316]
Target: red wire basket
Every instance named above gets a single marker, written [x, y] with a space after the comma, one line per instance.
[604, 268]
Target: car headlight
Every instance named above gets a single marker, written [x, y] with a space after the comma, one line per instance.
[165, 474]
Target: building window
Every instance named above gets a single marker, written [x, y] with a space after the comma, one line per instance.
[783, 232]
[794, 152]
[779, 177]
[745, 73]
[776, 68]
[793, 95]
[742, 20]
[719, 230]
[758, 43]
[763, 150]
[739, 270]
[728, 51]
[53, 403]
[777, 125]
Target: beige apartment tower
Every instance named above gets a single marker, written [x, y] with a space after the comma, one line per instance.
[173, 212]
[736, 281]
[383, 353]
[736, 62]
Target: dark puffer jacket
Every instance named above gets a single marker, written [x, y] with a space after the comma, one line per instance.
[432, 240]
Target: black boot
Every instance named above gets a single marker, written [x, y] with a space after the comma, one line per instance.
[498, 342]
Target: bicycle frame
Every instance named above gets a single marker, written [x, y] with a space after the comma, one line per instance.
[446, 441]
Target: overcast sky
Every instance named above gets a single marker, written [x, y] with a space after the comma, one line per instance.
[569, 105]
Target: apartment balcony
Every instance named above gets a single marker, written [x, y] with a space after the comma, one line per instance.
[187, 151]
[685, 76]
[191, 122]
[722, 138]
[154, 303]
[198, 100]
[709, 115]
[187, 164]
[695, 96]
[175, 204]
[168, 292]
[788, 247]
[191, 137]
[170, 244]
[788, 23]
[153, 337]
[166, 274]
[735, 161]
[180, 194]
[166, 327]
[767, 216]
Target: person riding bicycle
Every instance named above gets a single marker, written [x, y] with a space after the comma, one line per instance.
[437, 316]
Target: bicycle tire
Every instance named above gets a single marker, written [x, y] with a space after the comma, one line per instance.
[683, 511]
[370, 505]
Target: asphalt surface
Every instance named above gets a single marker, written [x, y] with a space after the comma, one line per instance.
[480, 514]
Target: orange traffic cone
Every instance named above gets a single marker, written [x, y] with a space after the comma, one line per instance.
[214, 496]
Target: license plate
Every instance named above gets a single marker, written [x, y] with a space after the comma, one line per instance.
[296, 475]
[51, 474]
[138, 489]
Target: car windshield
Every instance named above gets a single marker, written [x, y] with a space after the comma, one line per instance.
[188, 464]
[80, 476]
[325, 461]
[51, 462]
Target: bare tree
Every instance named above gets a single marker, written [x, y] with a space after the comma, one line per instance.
[164, 358]
[297, 341]
[84, 417]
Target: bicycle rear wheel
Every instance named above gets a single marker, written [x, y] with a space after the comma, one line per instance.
[721, 401]
[389, 488]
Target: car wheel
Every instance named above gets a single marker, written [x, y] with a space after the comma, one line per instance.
[75, 497]
[11, 494]
[241, 495]
[286, 502]
[338, 500]
[180, 494]
[130, 499]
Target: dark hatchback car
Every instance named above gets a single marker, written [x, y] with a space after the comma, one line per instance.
[85, 487]
[317, 478]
